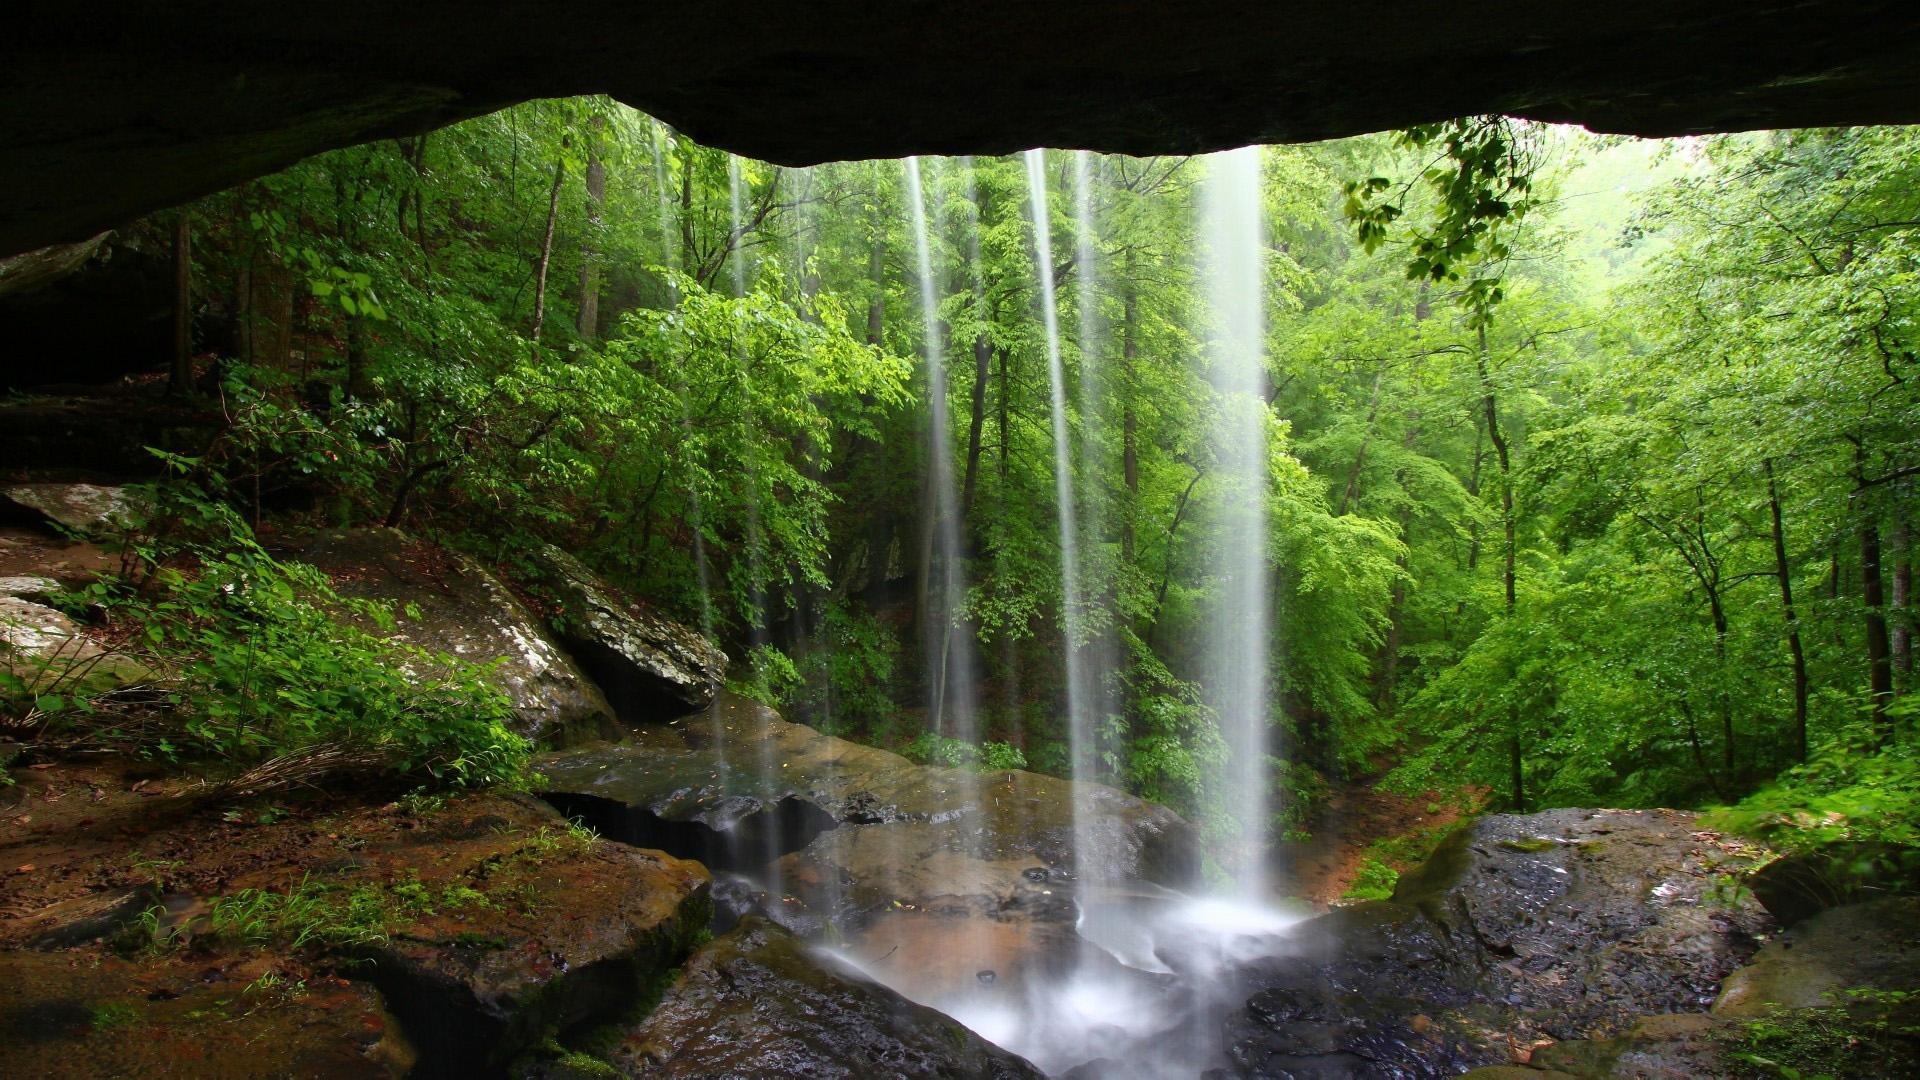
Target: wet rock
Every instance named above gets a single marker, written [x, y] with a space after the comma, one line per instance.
[50, 652]
[466, 612]
[1798, 886]
[1560, 925]
[652, 669]
[758, 1002]
[777, 787]
[90, 509]
[1871, 946]
[477, 988]
[63, 1016]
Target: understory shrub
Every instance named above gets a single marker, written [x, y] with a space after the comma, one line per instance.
[258, 657]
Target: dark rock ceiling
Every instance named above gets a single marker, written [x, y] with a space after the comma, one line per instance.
[111, 110]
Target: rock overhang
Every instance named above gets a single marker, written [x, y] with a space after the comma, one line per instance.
[112, 113]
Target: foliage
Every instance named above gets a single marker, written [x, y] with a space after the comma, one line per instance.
[1850, 790]
[1548, 554]
[1375, 880]
[262, 657]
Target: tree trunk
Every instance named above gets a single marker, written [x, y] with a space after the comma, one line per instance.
[1490, 406]
[1902, 603]
[1360, 456]
[1879, 651]
[180, 379]
[589, 322]
[1784, 574]
[546, 255]
[1005, 406]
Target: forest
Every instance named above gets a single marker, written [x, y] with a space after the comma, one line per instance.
[1635, 533]
[1587, 471]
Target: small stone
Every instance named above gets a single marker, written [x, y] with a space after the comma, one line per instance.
[986, 977]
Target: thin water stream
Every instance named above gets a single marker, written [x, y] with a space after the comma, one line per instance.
[1238, 619]
[1136, 982]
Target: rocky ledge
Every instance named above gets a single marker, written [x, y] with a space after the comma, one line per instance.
[145, 930]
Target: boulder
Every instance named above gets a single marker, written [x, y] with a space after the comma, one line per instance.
[89, 509]
[652, 669]
[53, 655]
[1871, 946]
[29, 270]
[758, 1002]
[28, 587]
[1567, 924]
[448, 603]
[574, 931]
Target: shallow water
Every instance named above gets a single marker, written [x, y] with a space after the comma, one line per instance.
[1137, 991]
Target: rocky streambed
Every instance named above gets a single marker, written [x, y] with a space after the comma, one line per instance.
[759, 899]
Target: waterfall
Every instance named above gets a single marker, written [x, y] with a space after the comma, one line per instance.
[768, 778]
[1072, 599]
[1238, 617]
[951, 696]
[1100, 659]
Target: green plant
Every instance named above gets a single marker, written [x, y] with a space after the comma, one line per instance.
[1374, 881]
[264, 658]
[1000, 755]
[112, 1014]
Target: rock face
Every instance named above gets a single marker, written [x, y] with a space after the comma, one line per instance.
[1563, 925]
[757, 1002]
[466, 612]
[107, 118]
[652, 669]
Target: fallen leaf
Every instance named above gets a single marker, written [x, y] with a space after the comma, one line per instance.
[25, 868]
[42, 767]
[23, 820]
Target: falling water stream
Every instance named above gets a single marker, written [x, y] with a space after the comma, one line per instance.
[1237, 619]
[1140, 987]
[1073, 597]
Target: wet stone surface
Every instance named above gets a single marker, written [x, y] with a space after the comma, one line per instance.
[760, 1003]
[652, 668]
[1563, 925]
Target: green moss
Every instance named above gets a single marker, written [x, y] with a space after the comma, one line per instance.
[1530, 845]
